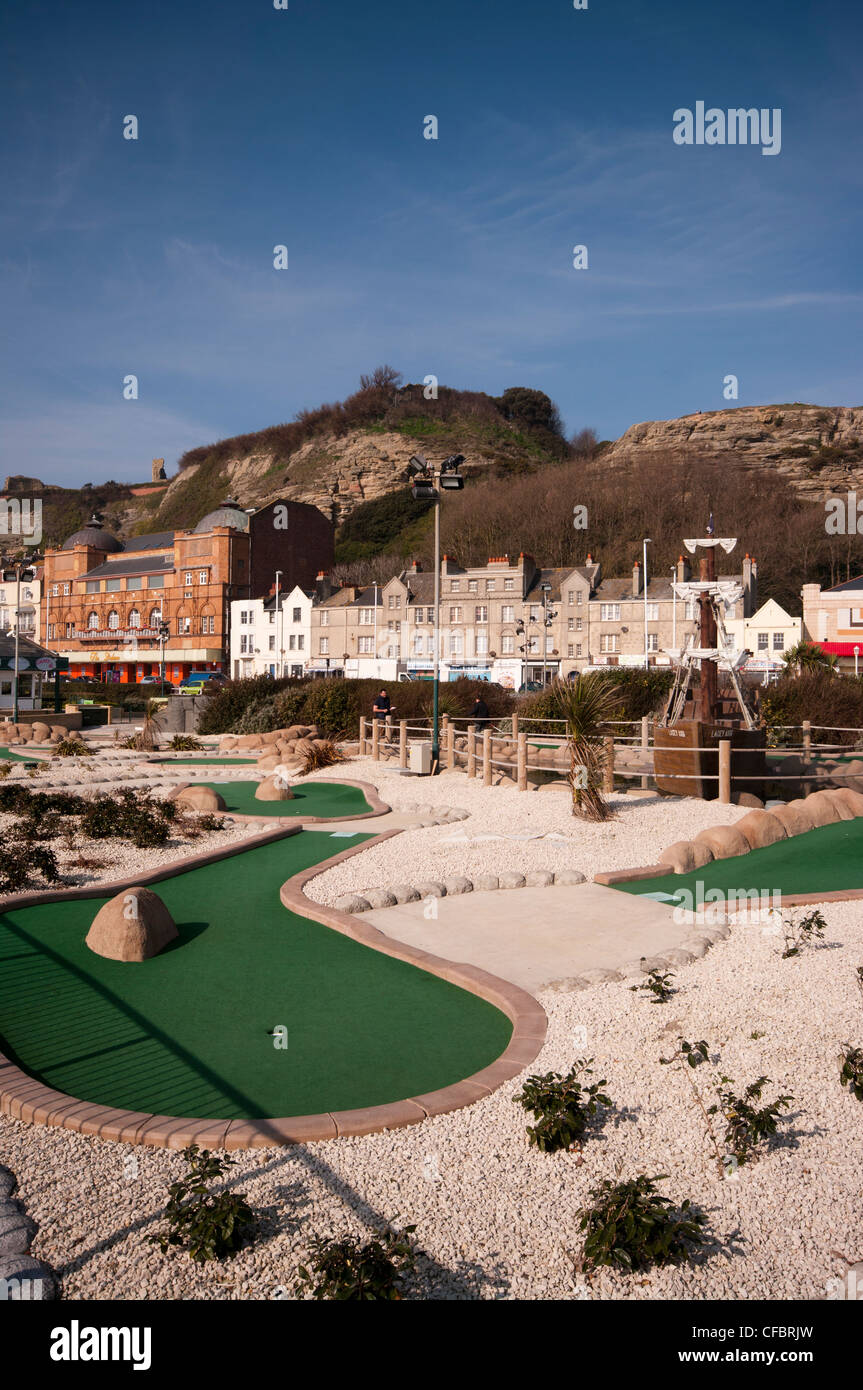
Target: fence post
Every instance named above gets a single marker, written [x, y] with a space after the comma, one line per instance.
[724, 771]
[807, 740]
[486, 757]
[608, 765]
[403, 743]
[471, 750]
[521, 763]
[645, 745]
[515, 726]
[362, 735]
[376, 739]
[449, 735]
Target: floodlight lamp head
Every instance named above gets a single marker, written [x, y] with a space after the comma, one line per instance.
[451, 481]
[423, 489]
[451, 463]
[418, 464]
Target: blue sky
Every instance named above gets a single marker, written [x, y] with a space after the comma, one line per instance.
[304, 127]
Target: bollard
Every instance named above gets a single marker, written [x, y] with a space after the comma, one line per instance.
[403, 743]
[807, 740]
[449, 736]
[724, 771]
[376, 739]
[486, 757]
[471, 750]
[521, 760]
[363, 749]
[608, 765]
[515, 726]
[645, 745]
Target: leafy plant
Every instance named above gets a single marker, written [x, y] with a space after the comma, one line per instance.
[323, 754]
[209, 1225]
[147, 737]
[747, 1128]
[72, 748]
[632, 1226]
[562, 1105]
[185, 743]
[585, 704]
[658, 985]
[798, 934]
[23, 862]
[132, 816]
[851, 1074]
[350, 1269]
[5, 769]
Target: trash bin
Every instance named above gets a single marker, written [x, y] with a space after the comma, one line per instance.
[420, 758]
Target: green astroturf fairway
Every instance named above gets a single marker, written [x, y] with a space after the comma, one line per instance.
[203, 758]
[830, 857]
[186, 1033]
[330, 799]
[7, 757]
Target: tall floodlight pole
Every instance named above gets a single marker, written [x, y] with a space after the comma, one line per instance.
[279, 631]
[673, 609]
[435, 748]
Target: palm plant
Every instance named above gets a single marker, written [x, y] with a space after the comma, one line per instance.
[148, 737]
[808, 656]
[586, 704]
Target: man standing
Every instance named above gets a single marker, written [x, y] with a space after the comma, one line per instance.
[382, 710]
[479, 715]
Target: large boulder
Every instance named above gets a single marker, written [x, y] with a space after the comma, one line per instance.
[795, 816]
[271, 738]
[761, 829]
[41, 732]
[59, 731]
[685, 855]
[850, 798]
[273, 789]
[821, 808]
[133, 926]
[723, 841]
[228, 741]
[269, 761]
[839, 803]
[248, 741]
[202, 799]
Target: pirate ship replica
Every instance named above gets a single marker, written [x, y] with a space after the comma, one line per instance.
[687, 737]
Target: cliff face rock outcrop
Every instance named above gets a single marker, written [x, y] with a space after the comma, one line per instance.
[819, 449]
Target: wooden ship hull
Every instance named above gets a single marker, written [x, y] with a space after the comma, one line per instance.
[686, 758]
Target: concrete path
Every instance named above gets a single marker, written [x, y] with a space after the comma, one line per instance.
[536, 937]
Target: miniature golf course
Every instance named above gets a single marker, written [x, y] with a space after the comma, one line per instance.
[827, 858]
[330, 799]
[203, 758]
[188, 1032]
[7, 757]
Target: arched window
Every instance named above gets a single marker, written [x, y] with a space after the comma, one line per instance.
[134, 618]
[113, 620]
[93, 622]
[155, 617]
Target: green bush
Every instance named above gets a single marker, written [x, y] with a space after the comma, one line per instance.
[209, 1225]
[23, 864]
[130, 816]
[349, 1269]
[637, 693]
[562, 1106]
[820, 696]
[631, 1226]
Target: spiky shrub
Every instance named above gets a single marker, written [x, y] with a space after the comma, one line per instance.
[632, 1226]
[24, 863]
[585, 704]
[147, 737]
[209, 1225]
[322, 755]
[562, 1106]
[185, 743]
[72, 748]
[5, 769]
[748, 1127]
[851, 1074]
[352, 1269]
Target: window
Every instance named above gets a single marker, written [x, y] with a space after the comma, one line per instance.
[533, 646]
[325, 646]
[509, 584]
[571, 597]
[244, 617]
[507, 644]
[455, 615]
[208, 623]
[92, 586]
[292, 642]
[534, 612]
[429, 615]
[763, 638]
[301, 642]
[393, 601]
[691, 609]
[70, 629]
[482, 644]
[133, 583]
[325, 619]
[134, 618]
[455, 586]
[93, 622]
[271, 646]
[570, 624]
[394, 625]
[653, 641]
[297, 615]
[155, 617]
[779, 641]
[570, 651]
[579, 623]
[202, 576]
[490, 584]
[609, 613]
[471, 586]
[578, 649]
[365, 646]
[456, 644]
[653, 612]
[507, 613]
[271, 618]
[187, 577]
[367, 617]
[549, 644]
[608, 642]
[480, 613]
[244, 642]
[55, 590]
[578, 598]
[184, 625]
[66, 589]
[156, 581]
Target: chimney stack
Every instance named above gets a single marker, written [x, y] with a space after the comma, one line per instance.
[323, 585]
[750, 586]
[684, 570]
[415, 567]
[636, 579]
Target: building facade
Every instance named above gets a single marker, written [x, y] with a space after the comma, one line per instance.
[271, 640]
[834, 619]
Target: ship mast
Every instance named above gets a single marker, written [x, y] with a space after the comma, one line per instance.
[707, 695]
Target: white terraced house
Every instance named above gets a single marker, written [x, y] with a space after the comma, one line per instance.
[270, 641]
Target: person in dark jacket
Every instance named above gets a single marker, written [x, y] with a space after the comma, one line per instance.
[382, 707]
[479, 715]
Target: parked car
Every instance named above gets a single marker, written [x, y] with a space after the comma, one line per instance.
[529, 687]
[155, 680]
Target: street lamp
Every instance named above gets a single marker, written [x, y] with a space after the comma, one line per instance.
[645, 544]
[164, 630]
[856, 659]
[426, 485]
[673, 609]
[279, 630]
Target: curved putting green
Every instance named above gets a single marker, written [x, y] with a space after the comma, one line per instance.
[7, 757]
[331, 799]
[830, 857]
[202, 760]
[189, 1032]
